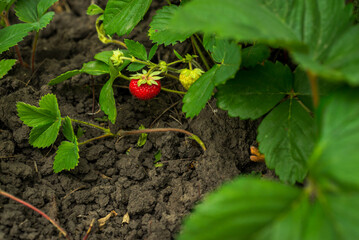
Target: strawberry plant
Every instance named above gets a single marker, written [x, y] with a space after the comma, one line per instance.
[35, 16]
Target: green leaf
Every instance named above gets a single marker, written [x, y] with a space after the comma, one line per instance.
[243, 20]
[241, 210]
[158, 156]
[104, 56]
[152, 51]
[177, 54]
[254, 92]
[64, 76]
[5, 66]
[136, 49]
[254, 55]
[47, 113]
[13, 34]
[134, 67]
[143, 137]
[33, 11]
[95, 68]
[67, 130]
[335, 160]
[44, 135]
[228, 56]
[67, 156]
[107, 98]
[121, 16]
[160, 31]
[94, 9]
[286, 138]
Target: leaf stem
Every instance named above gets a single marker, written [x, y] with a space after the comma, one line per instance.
[26, 204]
[200, 53]
[173, 91]
[97, 138]
[314, 86]
[34, 45]
[154, 130]
[106, 130]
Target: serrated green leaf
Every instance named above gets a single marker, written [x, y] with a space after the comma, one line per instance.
[44, 135]
[240, 210]
[243, 20]
[208, 41]
[286, 138]
[152, 51]
[64, 76]
[254, 92]
[5, 66]
[95, 68]
[66, 157]
[159, 31]
[228, 56]
[254, 55]
[335, 161]
[121, 16]
[136, 49]
[68, 130]
[107, 98]
[44, 21]
[47, 113]
[199, 93]
[94, 9]
[134, 67]
[13, 34]
[33, 116]
[34, 12]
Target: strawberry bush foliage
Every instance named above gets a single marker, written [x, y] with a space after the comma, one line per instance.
[307, 99]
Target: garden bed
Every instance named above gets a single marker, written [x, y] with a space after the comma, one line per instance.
[113, 174]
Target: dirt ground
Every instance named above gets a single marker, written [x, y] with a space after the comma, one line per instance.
[113, 174]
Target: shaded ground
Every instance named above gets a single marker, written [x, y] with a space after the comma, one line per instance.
[112, 174]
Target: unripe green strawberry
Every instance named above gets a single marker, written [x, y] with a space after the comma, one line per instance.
[144, 91]
[187, 77]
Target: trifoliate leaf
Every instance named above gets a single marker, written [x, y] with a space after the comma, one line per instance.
[5, 66]
[286, 138]
[254, 55]
[136, 49]
[64, 76]
[13, 34]
[121, 16]
[335, 161]
[160, 32]
[67, 156]
[47, 113]
[44, 135]
[68, 130]
[254, 92]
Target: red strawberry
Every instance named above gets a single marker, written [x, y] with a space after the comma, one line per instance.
[144, 91]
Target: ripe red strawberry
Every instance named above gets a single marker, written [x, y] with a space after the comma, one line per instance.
[144, 91]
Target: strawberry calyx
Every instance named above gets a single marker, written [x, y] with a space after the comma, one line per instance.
[149, 78]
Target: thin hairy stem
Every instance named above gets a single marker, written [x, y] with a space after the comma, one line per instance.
[34, 45]
[106, 130]
[314, 86]
[26, 204]
[97, 138]
[200, 53]
[154, 130]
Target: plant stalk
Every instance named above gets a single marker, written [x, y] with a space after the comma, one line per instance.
[61, 230]
[106, 130]
[154, 130]
[200, 53]
[34, 45]
[97, 138]
[314, 87]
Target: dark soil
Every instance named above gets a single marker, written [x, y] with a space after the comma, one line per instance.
[113, 174]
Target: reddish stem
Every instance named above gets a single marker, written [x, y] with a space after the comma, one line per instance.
[62, 231]
[314, 86]
[34, 51]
